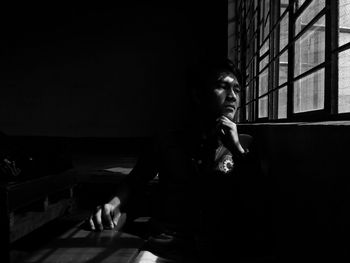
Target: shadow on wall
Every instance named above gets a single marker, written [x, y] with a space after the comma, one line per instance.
[100, 71]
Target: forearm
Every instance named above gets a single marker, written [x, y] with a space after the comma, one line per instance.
[241, 153]
[145, 170]
[237, 149]
[134, 184]
[121, 195]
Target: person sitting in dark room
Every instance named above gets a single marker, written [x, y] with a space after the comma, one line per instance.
[208, 177]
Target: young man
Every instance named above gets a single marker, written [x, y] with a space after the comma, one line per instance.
[202, 209]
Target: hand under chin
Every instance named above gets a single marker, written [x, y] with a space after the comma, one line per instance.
[229, 114]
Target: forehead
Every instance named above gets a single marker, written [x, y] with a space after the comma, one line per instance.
[227, 77]
[230, 79]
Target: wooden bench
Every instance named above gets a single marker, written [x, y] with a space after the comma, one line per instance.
[28, 205]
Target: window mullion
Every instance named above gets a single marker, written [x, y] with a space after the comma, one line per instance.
[271, 100]
[256, 89]
[291, 51]
[331, 68]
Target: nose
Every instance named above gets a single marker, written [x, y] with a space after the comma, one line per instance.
[231, 94]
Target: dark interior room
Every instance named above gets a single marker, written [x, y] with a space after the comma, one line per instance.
[84, 87]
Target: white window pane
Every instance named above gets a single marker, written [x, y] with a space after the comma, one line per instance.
[267, 27]
[263, 82]
[310, 48]
[344, 82]
[264, 48]
[255, 22]
[344, 22]
[264, 16]
[309, 92]
[263, 107]
[282, 103]
[283, 4]
[247, 112]
[263, 63]
[284, 31]
[238, 116]
[299, 3]
[308, 14]
[247, 97]
[267, 8]
[283, 68]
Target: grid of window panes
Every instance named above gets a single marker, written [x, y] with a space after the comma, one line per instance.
[285, 62]
[309, 52]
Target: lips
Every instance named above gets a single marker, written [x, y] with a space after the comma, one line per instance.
[229, 107]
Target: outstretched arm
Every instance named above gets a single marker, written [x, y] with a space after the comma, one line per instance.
[109, 215]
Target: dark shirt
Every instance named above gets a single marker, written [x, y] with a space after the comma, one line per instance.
[203, 191]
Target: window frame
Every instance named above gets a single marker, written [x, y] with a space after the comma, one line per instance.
[251, 63]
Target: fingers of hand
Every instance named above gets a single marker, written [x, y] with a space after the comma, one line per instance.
[106, 216]
[116, 218]
[97, 217]
[103, 218]
[91, 223]
[225, 122]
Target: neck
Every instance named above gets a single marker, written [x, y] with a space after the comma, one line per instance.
[202, 123]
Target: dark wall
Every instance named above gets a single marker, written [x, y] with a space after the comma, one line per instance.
[306, 189]
[102, 71]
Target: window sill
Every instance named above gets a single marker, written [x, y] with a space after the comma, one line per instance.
[319, 123]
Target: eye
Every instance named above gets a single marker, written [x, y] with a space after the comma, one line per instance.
[237, 89]
[221, 85]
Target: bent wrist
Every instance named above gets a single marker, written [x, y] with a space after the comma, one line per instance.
[235, 147]
[238, 151]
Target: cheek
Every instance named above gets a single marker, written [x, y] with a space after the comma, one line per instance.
[214, 101]
[219, 97]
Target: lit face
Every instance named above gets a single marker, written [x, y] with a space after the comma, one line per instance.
[225, 94]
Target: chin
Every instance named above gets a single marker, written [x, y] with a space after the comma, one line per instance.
[229, 115]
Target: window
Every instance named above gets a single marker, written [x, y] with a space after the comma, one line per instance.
[297, 59]
[344, 57]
